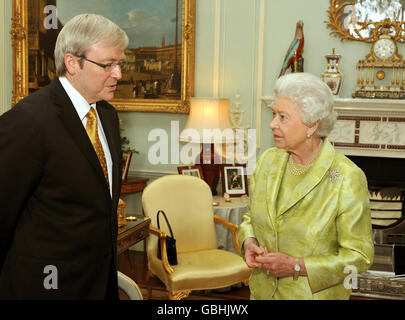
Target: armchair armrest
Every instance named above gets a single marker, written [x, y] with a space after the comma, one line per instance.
[162, 238]
[233, 227]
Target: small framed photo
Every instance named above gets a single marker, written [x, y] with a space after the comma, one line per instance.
[234, 179]
[126, 160]
[195, 171]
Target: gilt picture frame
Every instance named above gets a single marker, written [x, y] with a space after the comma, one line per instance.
[164, 72]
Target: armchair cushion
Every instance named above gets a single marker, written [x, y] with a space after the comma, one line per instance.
[207, 269]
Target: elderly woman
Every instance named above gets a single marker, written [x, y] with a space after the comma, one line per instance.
[308, 225]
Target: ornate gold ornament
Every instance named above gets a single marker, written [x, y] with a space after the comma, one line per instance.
[380, 75]
[345, 24]
[375, 22]
[19, 40]
[21, 43]
[382, 60]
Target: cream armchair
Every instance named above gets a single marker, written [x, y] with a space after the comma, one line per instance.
[187, 202]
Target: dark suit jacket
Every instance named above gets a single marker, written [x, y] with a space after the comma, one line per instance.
[55, 207]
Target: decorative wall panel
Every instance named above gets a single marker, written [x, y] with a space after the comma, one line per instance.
[367, 127]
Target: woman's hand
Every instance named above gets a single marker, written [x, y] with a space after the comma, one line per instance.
[277, 263]
[252, 251]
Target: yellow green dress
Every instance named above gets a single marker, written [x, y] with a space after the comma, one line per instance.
[322, 216]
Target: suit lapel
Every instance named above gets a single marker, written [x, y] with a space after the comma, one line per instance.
[74, 127]
[312, 178]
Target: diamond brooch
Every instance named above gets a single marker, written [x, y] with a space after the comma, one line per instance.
[334, 175]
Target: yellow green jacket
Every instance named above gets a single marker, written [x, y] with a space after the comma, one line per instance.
[326, 221]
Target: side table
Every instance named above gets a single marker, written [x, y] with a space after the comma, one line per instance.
[233, 212]
[131, 233]
[133, 185]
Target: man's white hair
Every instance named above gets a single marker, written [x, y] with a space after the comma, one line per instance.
[83, 31]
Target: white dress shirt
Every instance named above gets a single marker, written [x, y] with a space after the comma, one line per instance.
[82, 108]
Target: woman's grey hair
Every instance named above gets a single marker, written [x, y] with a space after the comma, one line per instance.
[313, 96]
[83, 31]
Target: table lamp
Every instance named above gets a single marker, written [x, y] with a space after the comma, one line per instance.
[208, 123]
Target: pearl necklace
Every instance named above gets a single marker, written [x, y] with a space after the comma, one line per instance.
[297, 169]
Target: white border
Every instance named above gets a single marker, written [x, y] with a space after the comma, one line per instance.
[242, 177]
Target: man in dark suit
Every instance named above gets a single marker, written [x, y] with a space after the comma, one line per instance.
[60, 174]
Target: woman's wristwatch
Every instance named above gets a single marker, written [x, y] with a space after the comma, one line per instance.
[297, 269]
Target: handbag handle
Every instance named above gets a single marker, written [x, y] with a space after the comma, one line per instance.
[167, 221]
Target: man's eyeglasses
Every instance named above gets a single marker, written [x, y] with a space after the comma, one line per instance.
[109, 66]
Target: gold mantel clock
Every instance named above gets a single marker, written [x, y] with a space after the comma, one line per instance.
[381, 74]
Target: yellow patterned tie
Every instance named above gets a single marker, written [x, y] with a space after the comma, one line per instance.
[92, 131]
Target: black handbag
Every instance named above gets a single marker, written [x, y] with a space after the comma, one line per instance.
[170, 242]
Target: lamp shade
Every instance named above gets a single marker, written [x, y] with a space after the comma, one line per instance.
[208, 122]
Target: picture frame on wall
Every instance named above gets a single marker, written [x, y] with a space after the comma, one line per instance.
[126, 161]
[234, 179]
[160, 54]
[195, 171]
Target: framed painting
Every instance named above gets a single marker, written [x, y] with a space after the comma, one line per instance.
[160, 54]
[195, 171]
[126, 160]
[234, 179]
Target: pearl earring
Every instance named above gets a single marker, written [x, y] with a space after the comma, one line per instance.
[308, 135]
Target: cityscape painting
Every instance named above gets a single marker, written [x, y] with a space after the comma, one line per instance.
[160, 54]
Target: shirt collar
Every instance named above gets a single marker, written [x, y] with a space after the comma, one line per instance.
[79, 102]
